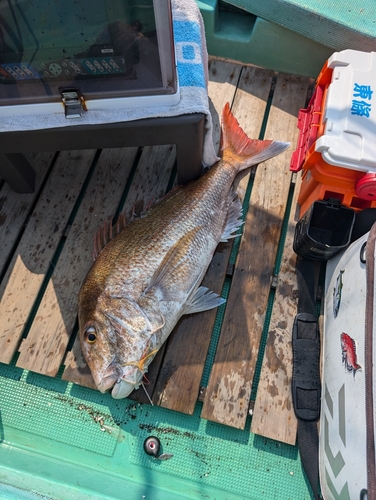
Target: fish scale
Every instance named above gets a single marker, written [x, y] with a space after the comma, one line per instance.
[149, 274]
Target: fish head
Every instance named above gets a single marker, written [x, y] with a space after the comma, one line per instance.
[118, 342]
[99, 350]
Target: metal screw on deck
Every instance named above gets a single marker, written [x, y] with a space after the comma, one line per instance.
[152, 446]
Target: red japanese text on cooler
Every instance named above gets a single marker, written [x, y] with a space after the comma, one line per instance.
[337, 148]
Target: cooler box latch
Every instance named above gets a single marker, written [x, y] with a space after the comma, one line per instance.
[73, 102]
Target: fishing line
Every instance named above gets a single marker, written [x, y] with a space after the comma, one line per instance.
[146, 392]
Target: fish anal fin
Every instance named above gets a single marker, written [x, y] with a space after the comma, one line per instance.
[234, 218]
[202, 299]
[235, 142]
[107, 233]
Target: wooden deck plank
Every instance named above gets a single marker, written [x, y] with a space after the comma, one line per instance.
[223, 81]
[76, 369]
[229, 389]
[273, 414]
[15, 208]
[150, 181]
[32, 258]
[179, 380]
[44, 348]
[176, 372]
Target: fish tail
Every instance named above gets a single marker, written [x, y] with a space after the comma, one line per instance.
[235, 142]
[356, 367]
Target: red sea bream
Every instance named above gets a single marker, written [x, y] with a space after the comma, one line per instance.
[149, 274]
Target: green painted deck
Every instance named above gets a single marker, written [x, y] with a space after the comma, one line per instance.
[338, 24]
[221, 387]
[294, 36]
[243, 36]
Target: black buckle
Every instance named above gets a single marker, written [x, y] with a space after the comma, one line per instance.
[306, 384]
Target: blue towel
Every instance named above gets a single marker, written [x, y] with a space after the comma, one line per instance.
[188, 50]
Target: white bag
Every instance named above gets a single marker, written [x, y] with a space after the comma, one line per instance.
[347, 444]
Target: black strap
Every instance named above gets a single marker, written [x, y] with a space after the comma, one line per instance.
[308, 443]
[306, 273]
[306, 385]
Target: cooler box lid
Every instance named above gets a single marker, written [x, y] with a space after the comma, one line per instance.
[350, 112]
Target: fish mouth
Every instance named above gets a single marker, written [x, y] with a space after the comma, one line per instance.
[123, 388]
[120, 381]
[128, 382]
[106, 383]
[108, 377]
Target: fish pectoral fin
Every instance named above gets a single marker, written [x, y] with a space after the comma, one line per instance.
[174, 266]
[234, 217]
[202, 299]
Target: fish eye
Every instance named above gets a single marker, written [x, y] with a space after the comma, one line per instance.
[90, 335]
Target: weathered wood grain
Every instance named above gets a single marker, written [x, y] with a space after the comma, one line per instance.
[228, 393]
[76, 369]
[179, 379]
[45, 345]
[273, 414]
[31, 260]
[223, 81]
[15, 208]
[149, 182]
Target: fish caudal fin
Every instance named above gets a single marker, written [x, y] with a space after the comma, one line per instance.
[237, 143]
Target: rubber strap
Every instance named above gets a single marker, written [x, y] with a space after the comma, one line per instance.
[308, 443]
[306, 273]
[306, 385]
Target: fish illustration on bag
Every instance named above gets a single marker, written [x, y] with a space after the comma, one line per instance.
[148, 275]
[337, 293]
[349, 353]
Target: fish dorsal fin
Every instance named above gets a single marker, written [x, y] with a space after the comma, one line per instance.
[149, 205]
[106, 233]
[175, 262]
[234, 217]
